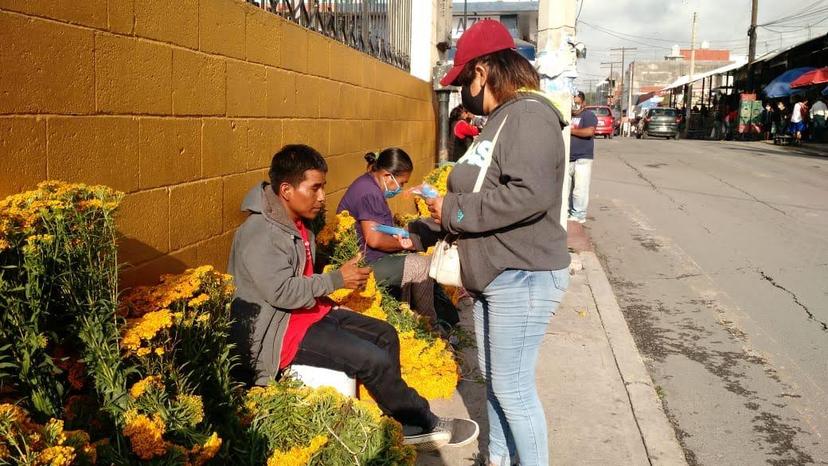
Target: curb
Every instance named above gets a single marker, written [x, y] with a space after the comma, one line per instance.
[656, 431]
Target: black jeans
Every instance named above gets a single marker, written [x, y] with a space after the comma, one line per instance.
[369, 350]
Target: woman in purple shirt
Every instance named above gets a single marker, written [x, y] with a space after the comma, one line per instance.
[367, 201]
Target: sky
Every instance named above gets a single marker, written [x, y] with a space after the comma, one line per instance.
[653, 26]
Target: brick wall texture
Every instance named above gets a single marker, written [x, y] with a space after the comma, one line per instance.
[181, 105]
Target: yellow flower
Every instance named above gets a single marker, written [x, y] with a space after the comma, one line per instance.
[204, 453]
[56, 456]
[140, 387]
[370, 289]
[340, 295]
[297, 456]
[193, 406]
[146, 435]
[199, 300]
[159, 351]
[146, 328]
[345, 224]
[54, 431]
[422, 207]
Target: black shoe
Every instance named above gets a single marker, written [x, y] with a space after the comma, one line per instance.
[463, 431]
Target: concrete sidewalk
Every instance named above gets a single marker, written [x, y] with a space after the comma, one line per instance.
[601, 405]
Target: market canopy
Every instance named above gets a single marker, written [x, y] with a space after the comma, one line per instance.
[681, 81]
[817, 76]
[781, 86]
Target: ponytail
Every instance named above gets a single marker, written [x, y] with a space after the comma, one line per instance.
[393, 159]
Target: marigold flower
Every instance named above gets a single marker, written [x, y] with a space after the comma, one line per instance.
[146, 328]
[140, 387]
[146, 435]
[199, 300]
[56, 456]
[297, 456]
[193, 406]
[203, 453]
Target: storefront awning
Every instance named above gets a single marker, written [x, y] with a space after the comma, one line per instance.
[698, 77]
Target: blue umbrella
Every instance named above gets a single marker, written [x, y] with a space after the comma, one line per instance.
[781, 86]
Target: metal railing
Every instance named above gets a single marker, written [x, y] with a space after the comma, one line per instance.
[380, 28]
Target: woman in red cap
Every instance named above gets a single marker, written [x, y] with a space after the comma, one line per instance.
[504, 205]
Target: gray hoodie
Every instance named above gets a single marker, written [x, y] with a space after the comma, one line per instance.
[266, 261]
[512, 223]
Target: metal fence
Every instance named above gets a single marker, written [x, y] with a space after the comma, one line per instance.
[381, 28]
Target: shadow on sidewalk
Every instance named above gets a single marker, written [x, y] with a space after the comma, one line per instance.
[469, 401]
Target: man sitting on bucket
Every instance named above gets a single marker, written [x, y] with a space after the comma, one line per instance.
[281, 313]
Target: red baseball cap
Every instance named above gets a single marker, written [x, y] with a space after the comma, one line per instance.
[484, 37]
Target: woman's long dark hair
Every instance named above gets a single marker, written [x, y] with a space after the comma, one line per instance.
[394, 160]
[508, 72]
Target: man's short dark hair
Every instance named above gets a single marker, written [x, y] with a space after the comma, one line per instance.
[291, 162]
[581, 95]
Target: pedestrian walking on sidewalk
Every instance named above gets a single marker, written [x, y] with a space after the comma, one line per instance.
[798, 125]
[581, 153]
[503, 204]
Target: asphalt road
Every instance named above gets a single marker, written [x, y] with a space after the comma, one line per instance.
[718, 254]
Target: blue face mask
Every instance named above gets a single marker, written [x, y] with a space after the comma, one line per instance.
[389, 193]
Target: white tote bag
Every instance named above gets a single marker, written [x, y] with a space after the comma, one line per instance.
[445, 262]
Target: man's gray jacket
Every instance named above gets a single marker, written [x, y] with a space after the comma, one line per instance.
[267, 261]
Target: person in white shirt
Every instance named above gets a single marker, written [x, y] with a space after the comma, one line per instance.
[819, 117]
[797, 122]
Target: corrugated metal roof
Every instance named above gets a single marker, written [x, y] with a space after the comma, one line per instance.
[697, 77]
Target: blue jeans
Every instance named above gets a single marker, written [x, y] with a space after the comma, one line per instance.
[510, 320]
[580, 172]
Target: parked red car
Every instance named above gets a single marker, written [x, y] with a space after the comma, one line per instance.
[606, 122]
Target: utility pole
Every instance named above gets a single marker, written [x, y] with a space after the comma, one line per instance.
[630, 93]
[612, 67]
[623, 62]
[688, 98]
[556, 24]
[754, 12]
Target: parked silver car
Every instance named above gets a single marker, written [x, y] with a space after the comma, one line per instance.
[659, 122]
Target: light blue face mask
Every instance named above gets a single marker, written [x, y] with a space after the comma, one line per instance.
[389, 193]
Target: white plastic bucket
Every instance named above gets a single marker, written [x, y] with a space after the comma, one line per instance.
[317, 377]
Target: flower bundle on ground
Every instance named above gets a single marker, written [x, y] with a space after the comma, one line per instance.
[290, 424]
[426, 362]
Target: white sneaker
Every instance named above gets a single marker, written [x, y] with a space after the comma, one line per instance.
[463, 431]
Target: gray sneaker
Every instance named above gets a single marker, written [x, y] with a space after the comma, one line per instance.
[425, 441]
[463, 431]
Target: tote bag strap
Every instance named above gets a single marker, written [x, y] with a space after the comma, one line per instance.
[488, 160]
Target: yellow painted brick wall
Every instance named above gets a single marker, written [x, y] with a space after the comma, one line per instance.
[181, 105]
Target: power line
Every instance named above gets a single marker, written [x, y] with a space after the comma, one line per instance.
[798, 15]
[580, 7]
